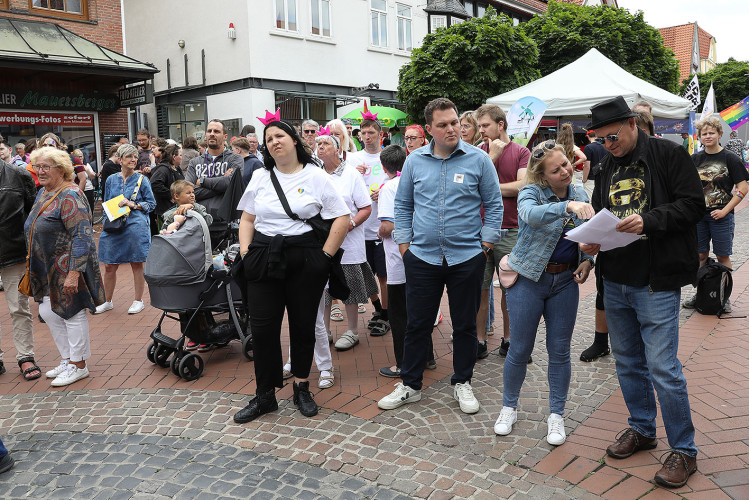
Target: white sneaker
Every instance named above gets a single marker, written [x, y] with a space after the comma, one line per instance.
[507, 417]
[72, 374]
[54, 372]
[347, 341]
[464, 395]
[136, 307]
[555, 435]
[106, 306]
[400, 396]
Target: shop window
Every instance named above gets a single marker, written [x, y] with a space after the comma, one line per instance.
[404, 26]
[379, 17]
[297, 109]
[320, 12]
[286, 15]
[74, 9]
[183, 120]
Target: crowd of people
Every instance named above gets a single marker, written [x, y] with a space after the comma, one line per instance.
[329, 220]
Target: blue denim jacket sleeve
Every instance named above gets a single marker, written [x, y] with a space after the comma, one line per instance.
[537, 212]
[491, 197]
[404, 207]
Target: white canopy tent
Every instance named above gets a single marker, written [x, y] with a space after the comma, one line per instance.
[572, 90]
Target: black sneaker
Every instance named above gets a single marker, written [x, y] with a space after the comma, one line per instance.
[6, 463]
[689, 303]
[595, 351]
[483, 351]
[504, 347]
[303, 399]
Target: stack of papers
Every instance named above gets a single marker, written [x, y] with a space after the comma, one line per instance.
[112, 209]
[601, 230]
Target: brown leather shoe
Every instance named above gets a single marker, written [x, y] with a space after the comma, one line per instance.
[676, 470]
[628, 442]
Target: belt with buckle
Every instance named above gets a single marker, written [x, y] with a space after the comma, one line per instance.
[554, 268]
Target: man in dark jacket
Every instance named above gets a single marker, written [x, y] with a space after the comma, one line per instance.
[211, 173]
[652, 185]
[17, 194]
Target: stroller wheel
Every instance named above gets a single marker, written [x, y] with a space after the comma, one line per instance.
[161, 356]
[247, 348]
[191, 367]
[174, 364]
[151, 351]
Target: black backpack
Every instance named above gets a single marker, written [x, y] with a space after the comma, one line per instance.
[714, 284]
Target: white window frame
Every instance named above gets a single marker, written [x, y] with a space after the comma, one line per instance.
[382, 17]
[285, 27]
[321, 6]
[409, 44]
[436, 22]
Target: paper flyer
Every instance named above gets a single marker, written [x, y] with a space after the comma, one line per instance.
[112, 209]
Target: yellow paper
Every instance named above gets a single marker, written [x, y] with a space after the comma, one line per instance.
[112, 209]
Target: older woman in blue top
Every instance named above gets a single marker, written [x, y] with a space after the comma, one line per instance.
[132, 244]
[549, 270]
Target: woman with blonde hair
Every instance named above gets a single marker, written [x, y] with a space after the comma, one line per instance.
[566, 138]
[549, 267]
[469, 128]
[63, 270]
[338, 129]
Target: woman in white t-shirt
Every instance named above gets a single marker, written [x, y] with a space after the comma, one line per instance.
[284, 263]
[358, 274]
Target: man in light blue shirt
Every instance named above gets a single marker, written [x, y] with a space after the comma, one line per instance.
[439, 232]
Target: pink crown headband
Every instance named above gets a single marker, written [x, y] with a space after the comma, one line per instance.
[324, 131]
[367, 115]
[270, 118]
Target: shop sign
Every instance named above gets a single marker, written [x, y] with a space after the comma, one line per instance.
[61, 119]
[65, 101]
[136, 95]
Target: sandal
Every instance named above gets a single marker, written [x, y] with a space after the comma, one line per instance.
[28, 371]
[380, 328]
[335, 313]
[326, 380]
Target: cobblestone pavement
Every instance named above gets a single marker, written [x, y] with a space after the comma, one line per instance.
[180, 441]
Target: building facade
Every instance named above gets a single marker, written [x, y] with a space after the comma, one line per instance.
[62, 67]
[694, 48]
[235, 59]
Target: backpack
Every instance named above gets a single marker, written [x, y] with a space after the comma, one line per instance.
[714, 284]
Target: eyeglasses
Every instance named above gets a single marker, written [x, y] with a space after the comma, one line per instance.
[544, 148]
[43, 168]
[615, 137]
[465, 126]
[313, 131]
[412, 137]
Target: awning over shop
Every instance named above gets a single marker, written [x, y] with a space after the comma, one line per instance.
[43, 46]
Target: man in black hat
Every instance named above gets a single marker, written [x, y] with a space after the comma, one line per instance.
[652, 185]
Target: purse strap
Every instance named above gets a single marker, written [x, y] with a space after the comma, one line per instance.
[31, 231]
[137, 188]
[282, 197]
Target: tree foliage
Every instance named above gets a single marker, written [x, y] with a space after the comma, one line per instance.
[567, 31]
[730, 83]
[467, 63]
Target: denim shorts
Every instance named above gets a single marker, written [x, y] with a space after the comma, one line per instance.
[719, 231]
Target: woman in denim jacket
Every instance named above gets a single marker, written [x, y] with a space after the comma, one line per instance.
[549, 269]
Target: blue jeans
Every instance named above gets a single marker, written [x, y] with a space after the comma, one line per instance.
[3, 450]
[425, 284]
[644, 333]
[555, 296]
[491, 315]
[719, 231]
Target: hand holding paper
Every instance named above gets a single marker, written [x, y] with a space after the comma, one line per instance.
[602, 230]
[113, 209]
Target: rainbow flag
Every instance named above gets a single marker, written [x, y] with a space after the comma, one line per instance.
[737, 115]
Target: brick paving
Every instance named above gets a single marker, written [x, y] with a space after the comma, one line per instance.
[135, 411]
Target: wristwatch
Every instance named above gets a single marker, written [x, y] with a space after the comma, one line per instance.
[592, 262]
[487, 250]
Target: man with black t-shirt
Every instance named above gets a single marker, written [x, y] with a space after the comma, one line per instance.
[652, 186]
[720, 171]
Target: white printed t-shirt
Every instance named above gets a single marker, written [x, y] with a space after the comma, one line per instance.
[374, 177]
[350, 186]
[308, 192]
[393, 260]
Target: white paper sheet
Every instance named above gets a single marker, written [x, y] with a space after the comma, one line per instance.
[601, 230]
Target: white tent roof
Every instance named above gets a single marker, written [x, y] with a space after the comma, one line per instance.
[573, 89]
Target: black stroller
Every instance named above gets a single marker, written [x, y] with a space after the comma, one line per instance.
[183, 280]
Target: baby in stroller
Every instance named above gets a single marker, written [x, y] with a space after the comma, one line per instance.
[183, 196]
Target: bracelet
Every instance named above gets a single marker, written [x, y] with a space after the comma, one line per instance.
[244, 253]
[740, 195]
[327, 254]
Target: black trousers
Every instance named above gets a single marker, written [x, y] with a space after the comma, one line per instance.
[398, 319]
[299, 295]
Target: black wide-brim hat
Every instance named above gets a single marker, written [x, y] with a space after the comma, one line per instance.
[609, 111]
